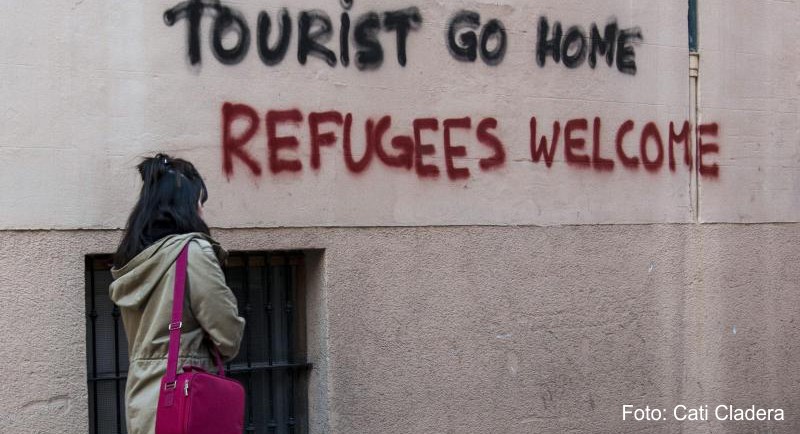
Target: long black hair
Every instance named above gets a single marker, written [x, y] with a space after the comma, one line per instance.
[168, 204]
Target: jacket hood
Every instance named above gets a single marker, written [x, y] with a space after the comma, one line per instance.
[136, 280]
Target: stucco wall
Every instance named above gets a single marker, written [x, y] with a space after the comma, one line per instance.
[750, 85]
[472, 329]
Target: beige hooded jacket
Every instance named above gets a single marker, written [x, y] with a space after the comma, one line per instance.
[143, 290]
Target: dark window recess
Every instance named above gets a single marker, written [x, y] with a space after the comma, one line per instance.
[271, 363]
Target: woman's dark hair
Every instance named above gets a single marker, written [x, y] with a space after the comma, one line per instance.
[168, 204]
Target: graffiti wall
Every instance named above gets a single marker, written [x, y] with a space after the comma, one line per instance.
[349, 112]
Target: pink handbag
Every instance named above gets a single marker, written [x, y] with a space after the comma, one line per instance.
[195, 401]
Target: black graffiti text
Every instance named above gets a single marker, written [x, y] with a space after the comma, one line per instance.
[575, 46]
[465, 44]
[315, 30]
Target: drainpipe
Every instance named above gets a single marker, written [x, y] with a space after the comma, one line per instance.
[694, 105]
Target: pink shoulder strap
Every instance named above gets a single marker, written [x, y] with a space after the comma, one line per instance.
[176, 324]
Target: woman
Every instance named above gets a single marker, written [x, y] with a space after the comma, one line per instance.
[167, 216]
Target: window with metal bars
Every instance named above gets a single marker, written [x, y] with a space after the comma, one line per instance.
[271, 363]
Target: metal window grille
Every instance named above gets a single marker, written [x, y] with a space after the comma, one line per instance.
[271, 363]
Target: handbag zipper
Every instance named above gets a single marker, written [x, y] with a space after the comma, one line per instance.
[186, 388]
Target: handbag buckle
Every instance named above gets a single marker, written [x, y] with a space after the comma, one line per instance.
[170, 386]
[175, 325]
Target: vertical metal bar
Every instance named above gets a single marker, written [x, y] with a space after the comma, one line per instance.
[291, 422]
[93, 320]
[269, 374]
[268, 306]
[226, 271]
[289, 308]
[247, 309]
[693, 36]
[272, 424]
[115, 315]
